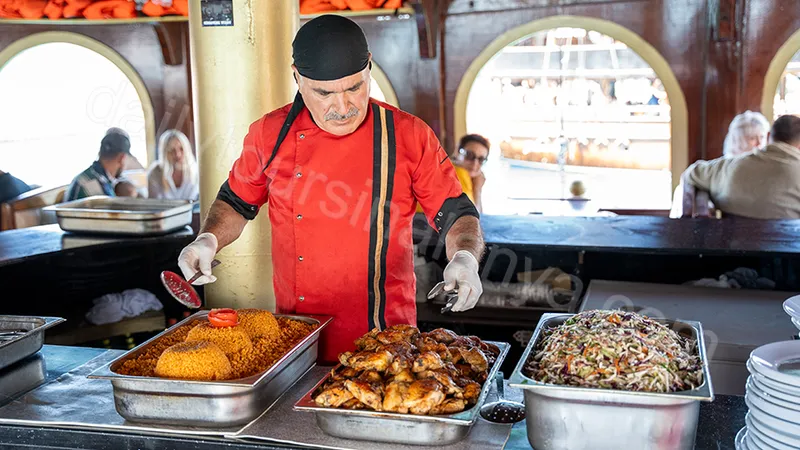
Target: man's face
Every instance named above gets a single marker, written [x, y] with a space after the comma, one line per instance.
[337, 106]
[120, 160]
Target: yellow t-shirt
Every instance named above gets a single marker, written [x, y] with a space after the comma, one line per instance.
[466, 184]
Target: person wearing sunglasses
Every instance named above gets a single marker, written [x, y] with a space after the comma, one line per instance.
[469, 159]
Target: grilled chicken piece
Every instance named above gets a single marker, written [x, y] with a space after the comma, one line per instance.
[366, 360]
[485, 346]
[442, 335]
[353, 403]
[471, 392]
[462, 341]
[370, 376]
[464, 370]
[428, 344]
[475, 358]
[343, 374]
[403, 356]
[334, 395]
[397, 333]
[449, 406]
[428, 361]
[395, 398]
[424, 395]
[450, 386]
[344, 358]
[404, 375]
[367, 393]
[490, 348]
[368, 341]
[400, 363]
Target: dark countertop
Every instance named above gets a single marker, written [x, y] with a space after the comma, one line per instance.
[645, 234]
[719, 422]
[625, 234]
[19, 245]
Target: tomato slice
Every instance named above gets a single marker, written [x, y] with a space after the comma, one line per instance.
[223, 317]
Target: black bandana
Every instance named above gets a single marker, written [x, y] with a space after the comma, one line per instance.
[330, 47]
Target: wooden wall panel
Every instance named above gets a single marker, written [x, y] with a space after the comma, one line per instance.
[768, 24]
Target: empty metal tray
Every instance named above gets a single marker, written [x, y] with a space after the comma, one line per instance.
[22, 336]
[123, 215]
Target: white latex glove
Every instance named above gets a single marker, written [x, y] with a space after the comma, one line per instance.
[198, 256]
[462, 273]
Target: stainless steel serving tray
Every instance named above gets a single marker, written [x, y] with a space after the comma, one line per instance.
[400, 428]
[208, 403]
[568, 417]
[26, 344]
[122, 215]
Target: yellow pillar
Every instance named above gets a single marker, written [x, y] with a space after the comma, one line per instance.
[239, 73]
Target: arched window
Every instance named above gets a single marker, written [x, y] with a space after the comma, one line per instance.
[787, 94]
[568, 99]
[59, 98]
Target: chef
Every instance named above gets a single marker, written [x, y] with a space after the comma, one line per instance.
[341, 175]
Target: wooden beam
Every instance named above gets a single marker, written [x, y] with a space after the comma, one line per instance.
[170, 36]
[428, 16]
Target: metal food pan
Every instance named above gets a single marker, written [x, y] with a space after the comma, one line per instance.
[399, 428]
[122, 215]
[15, 348]
[574, 418]
[208, 403]
[21, 378]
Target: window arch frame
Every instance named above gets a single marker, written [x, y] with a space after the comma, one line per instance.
[679, 113]
[386, 86]
[66, 37]
[774, 74]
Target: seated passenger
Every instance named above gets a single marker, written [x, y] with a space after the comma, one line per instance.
[175, 175]
[747, 132]
[99, 178]
[762, 184]
[472, 153]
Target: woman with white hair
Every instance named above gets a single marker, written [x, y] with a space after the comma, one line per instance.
[747, 132]
[175, 175]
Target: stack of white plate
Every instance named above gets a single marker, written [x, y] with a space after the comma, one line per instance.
[773, 399]
[792, 308]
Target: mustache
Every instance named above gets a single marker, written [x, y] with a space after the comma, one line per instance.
[333, 115]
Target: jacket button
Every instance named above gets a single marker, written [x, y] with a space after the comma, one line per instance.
[298, 175]
[302, 136]
[299, 217]
[300, 258]
[301, 298]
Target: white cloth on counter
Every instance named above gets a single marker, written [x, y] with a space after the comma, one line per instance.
[114, 307]
[739, 278]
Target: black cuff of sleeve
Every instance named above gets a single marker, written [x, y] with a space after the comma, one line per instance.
[227, 195]
[452, 210]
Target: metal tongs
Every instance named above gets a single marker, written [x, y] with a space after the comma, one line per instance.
[451, 296]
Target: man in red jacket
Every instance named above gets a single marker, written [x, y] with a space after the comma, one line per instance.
[342, 174]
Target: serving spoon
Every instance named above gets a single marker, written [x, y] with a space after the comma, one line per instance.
[182, 290]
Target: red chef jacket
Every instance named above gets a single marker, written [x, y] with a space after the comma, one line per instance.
[341, 210]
